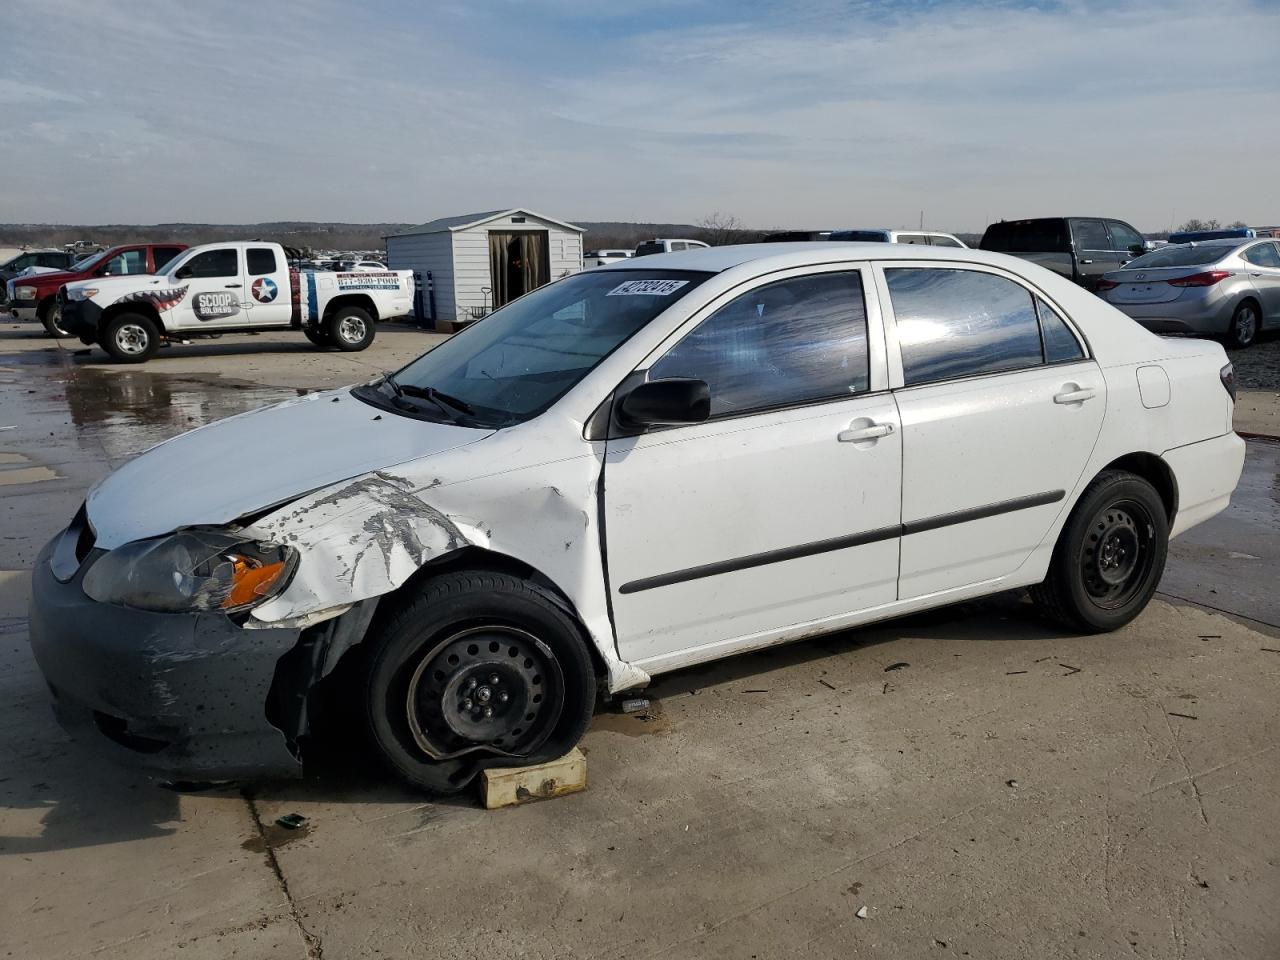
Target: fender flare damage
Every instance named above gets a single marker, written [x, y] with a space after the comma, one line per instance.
[365, 538]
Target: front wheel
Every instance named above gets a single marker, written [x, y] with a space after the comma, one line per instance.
[316, 335]
[1109, 557]
[1244, 326]
[51, 319]
[479, 670]
[349, 329]
[130, 337]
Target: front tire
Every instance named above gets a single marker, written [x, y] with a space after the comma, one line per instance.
[350, 329]
[51, 319]
[478, 670]
[317, 336]
[1243, 331]
[1109, 557]
[130, 338]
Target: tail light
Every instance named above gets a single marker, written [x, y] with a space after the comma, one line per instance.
[1104, 285]
[1228, 377]
[1206, 279]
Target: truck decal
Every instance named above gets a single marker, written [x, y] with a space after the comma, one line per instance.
[312, 312]
[165, 299]
[215, 305]
[264, 289]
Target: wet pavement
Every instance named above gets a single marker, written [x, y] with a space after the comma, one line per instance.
[986, 786]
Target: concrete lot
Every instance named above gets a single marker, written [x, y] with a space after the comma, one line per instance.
[985, 786]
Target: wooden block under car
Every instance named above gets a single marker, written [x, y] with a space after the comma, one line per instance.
[510, 786]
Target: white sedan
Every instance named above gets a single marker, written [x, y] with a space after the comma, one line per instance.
[628, 471]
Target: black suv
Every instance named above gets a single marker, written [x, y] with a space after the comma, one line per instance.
[1080, 248]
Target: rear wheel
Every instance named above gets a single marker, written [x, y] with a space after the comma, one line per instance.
[51, 319]
[130, 337]
[349, 329]
[1244, 325]
[479, 670]
[1110, 555]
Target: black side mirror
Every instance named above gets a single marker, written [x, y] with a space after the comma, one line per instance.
[1138, 249]
[182, 273]
[679, 400]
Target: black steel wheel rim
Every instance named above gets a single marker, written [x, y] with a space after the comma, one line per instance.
[1117, 554]
[491, 689]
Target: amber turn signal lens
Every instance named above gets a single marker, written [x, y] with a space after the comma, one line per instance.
[251, 580]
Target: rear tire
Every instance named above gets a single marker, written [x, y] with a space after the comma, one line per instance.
[1109, 556]
[51, 319]
[130, 338]
[1245, 323]
[429, 678]
[350, 329]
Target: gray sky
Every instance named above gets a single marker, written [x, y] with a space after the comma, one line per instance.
[805, 113]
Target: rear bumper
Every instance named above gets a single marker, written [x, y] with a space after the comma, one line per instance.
[1197, 315]
[183, 696]
[1206, 474]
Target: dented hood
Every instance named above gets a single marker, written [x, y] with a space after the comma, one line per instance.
[246, 463]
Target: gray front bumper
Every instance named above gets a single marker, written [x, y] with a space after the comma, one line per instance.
[182, 695]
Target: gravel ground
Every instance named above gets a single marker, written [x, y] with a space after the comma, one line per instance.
[1258, 367]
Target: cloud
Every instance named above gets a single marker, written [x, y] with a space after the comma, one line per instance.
[821, 113]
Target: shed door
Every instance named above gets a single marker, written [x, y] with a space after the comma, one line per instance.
[519, 261]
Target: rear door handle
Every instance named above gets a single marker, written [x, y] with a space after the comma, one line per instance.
[873, 432]
[1086, 261]
[1079, 395]
[234, 286]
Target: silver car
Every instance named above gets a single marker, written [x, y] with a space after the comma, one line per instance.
[1219, 288]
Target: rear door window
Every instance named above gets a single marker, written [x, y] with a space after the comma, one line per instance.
[916, 238]
[1090, 235]
[1048, 235]
[261, 260]
[1060, 344]
[795, 341]
[961, 323]
[162, 255]
[944, 242]
[1263, 255]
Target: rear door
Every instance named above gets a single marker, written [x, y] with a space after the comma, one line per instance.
[211, 285]
[1094, 255]
[266, 279]
[1000, 408]
[1264, 271]
[782, 508]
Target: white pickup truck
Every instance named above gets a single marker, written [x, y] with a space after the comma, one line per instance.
[239, 287]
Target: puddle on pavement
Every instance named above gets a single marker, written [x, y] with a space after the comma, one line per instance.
[273, 835]
[650, 722]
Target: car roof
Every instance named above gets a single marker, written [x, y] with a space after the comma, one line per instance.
[780, 256]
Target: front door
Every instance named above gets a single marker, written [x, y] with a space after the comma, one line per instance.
[989, 371]
[267, 282]
[780, 510]
[213, 291]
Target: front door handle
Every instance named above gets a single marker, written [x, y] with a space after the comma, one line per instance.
[234, 286]
[1075, 395]
[1086, 261]
[858, 434]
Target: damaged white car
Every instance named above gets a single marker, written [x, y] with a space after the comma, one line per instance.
[633, 469]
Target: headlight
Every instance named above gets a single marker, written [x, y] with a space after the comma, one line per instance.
[84, 293]
[190, 571]
[24, 293]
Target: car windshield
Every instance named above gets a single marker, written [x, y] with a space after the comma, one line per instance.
[1188, 256]
[519, 360]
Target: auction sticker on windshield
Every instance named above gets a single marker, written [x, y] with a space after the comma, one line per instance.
[650, 288]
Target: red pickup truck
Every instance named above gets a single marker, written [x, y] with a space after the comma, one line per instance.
[35, 297]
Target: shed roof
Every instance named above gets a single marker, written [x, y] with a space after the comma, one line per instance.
[476, 219]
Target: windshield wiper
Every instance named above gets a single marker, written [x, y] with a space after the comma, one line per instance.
[441, 399]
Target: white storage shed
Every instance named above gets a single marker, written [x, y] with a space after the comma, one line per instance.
[480, 261]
